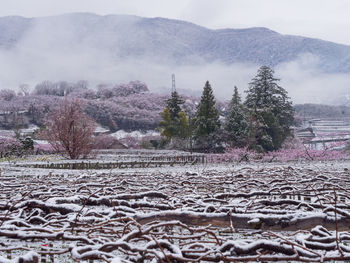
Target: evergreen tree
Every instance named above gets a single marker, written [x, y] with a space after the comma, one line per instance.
[236, 98]
[166, 126]
[173, 105]
[174, 123]
[183, 126]
[264, 131]
[270, 108]
[206, 121]
[236, 124]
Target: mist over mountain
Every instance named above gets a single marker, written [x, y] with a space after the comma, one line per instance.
[120, 48]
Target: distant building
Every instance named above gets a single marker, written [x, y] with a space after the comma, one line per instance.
[327, 133]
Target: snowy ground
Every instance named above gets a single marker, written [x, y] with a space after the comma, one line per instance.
[207, 213]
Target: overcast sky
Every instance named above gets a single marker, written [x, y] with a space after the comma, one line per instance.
[325, 19]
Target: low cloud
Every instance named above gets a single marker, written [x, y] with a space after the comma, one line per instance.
[306, 83]
[39, 56]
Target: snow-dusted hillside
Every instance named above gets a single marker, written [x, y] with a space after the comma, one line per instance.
[165, 40]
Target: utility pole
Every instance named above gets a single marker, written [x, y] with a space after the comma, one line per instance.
[173, 86]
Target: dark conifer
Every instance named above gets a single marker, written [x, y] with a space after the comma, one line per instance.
[236, 124]
[206, 123]
[173, 105]
[207, 116]
[270, 108]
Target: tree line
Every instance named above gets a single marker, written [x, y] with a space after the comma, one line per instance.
[117, 106]
[262, 122]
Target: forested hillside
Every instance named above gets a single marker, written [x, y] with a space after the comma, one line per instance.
[123, 106]
[161, 39]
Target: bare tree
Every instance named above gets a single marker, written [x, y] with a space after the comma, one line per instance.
[70, 130]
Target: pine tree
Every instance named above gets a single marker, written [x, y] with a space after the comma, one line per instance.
[265, 132]
[270, 108]
[206, 121]
[236, 98]
[174, 123]
[173, 105]
[236, 124]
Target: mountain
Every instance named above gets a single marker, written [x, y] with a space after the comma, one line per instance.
[165, 40]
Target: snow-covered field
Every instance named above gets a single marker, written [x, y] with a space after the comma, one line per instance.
[194, 213]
